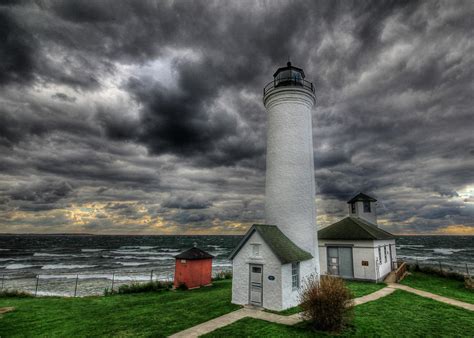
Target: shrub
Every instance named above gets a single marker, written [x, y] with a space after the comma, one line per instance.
[182, 287]
[15, 293]
[326, 303]
[469, 283]
[223, 275]
[431, 270]
[136, 287]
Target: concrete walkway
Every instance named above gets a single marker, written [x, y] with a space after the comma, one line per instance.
[258, 313]
[425, 294]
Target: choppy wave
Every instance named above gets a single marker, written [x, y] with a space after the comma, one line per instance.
[419, 258]
[135, 247]
[148, 258]
[446, 251]
[18, 266]
[43, 254]
[66, 266]
[138, 253]
[14, 259]
[133, 263]
[116, 277]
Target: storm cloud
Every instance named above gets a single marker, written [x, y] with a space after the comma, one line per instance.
[147, 116]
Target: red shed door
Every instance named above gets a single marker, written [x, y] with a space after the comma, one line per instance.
[256, 285]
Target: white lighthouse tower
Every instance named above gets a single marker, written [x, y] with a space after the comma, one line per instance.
[290, 187]
[273, 259]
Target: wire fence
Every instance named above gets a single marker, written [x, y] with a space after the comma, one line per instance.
[83, 284]
[464, 269]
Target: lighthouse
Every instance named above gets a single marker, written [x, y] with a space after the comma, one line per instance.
[273, 259]
[290, 186]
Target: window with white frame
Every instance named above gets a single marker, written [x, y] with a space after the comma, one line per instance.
[295, 275]
[385, 252]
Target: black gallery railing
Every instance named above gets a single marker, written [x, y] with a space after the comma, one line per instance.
[286, 82]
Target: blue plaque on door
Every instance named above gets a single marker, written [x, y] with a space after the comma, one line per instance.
[271, 277]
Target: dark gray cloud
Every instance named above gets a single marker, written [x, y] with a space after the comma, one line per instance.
[151, 113]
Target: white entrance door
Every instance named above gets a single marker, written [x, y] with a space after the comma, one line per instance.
[256, 285]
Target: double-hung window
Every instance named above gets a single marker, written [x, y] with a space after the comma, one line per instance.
[295, 275]
[385, 252]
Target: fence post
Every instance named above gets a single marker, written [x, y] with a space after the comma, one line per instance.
[440, 268]
[113, 280]
[151, 276]
[75, 287]
[467, 271]
[36, 287]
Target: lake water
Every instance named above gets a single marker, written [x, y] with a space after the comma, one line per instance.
[97, 260]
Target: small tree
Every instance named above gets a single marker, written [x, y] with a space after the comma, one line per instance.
[326, 302]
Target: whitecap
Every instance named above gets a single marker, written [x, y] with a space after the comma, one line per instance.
[446, 251]
[139, 247]
[42, 254]
[18, 266]
[420, 258]
[150, 258]
[14, 259]
[138, 253]
[65, 266]
[133, 263]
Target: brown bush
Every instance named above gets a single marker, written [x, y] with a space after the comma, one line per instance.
[326, 302]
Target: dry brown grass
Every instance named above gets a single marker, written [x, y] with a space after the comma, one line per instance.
[326, 302]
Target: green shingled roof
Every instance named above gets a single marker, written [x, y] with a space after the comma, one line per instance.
[282, 246]
[352, 228]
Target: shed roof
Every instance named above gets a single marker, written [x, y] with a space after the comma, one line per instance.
[352, 228]
[361, 197]
[281, 246]
[194, 253]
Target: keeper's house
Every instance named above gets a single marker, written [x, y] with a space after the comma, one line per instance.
[355, 247]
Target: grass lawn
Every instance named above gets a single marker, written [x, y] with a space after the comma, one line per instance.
[400, 314]
[359, 289]
[439, 285]
[146, 314]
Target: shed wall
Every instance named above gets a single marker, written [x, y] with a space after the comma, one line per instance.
[193, 273]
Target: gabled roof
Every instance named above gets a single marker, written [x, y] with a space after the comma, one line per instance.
[361, 197]
[352, 228]
[194, 253]
[281, 246]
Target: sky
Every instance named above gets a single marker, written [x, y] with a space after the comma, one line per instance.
[146, 117]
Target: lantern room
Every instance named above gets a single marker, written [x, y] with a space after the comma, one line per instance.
[288, 75]
[193, 268]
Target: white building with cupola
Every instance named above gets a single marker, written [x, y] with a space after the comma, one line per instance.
[356, 247]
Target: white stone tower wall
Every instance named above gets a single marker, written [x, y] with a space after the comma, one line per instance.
[290, 186]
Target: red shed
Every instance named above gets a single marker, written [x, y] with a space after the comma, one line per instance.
[193, 268]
